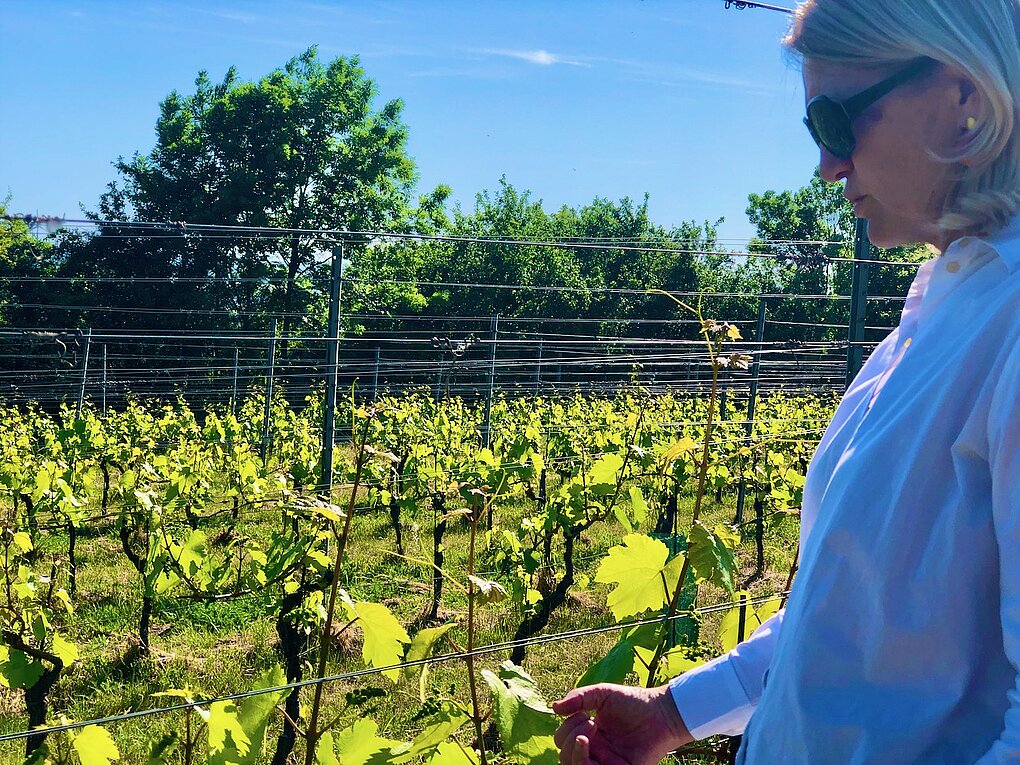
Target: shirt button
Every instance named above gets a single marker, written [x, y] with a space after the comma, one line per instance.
[953, 266]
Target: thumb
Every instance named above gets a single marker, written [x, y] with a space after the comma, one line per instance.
[587, 699]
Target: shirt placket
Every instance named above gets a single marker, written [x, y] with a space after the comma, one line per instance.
[933, 283]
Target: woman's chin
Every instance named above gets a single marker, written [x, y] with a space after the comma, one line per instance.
[880, 236]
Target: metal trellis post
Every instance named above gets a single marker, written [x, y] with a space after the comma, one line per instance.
[375, 375]
[538, 369]
[858, 302]
[104, 378]
[267, 410]
[332, 359]
[84, 372]
[724, 380]
[439, 376]
[487, 426]
[233, 390]
[752, 399]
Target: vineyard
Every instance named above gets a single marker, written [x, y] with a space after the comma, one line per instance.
[370, 538]
[178, 587]
[299, 465]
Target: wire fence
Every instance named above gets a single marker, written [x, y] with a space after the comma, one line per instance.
[479, 651]
[185, 351]
[111, 367]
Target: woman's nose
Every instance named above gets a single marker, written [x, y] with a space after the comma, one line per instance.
[831, 168]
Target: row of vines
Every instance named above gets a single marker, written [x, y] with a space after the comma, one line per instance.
[194, 512]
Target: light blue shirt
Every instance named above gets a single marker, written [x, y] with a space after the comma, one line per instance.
[901, 639]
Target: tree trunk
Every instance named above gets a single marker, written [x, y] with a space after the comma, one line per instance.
[291, 643]
[666, 522]
[35, 704]
[437, 556]
[143, 624]
[106, 485]
[397, 527]
[534, 624]
[72, 558]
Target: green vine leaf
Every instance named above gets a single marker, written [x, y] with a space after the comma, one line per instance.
[228, 741]
[444, 724]
[711, 552]
[424, 643]
[603, 474]
[325, 753]
[236, 731]
[95, 746]
[618, 663]
[637, 567]
[23, 541]
[638, 505]
[361, 744]
[65, 650]
[17, 670]
[422, 646]
[161, 748]
[525, 723]
[384, 635]
[452, 753]
[674, 662]
[729, 626]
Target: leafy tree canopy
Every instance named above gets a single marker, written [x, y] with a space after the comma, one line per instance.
[21, 256]
[302, 148]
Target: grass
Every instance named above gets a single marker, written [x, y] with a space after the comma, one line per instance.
[218, 648]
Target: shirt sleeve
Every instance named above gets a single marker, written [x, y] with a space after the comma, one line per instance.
[1004, 462]
[718, 698]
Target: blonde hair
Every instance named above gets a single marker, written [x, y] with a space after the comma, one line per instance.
[979, 37]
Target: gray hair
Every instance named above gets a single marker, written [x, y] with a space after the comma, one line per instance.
[979, 37]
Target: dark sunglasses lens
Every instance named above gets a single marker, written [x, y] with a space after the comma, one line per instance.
[830, 128]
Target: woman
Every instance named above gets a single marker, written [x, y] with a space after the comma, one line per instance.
[901, 640]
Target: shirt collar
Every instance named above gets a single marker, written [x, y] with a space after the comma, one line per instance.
[1006, 244]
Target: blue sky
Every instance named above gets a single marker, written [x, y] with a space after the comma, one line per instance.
[682, 99]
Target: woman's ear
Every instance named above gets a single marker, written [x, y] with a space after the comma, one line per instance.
[970, 97]
[967, 107]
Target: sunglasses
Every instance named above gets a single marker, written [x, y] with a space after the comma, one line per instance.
[831, 122]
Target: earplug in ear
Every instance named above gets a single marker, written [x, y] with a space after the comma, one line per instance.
[971, 123]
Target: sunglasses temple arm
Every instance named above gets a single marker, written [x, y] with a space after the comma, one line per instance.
[857, 104]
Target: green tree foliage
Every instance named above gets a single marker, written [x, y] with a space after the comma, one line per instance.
[648, 256]
[22, 256]
[302, 148]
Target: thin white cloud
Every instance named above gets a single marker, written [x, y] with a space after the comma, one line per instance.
[240, 18]
[681, 77]
[539, 57]
[473, 73]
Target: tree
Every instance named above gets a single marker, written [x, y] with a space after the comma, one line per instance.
[302, 148]
[646, 256]
[22, 258]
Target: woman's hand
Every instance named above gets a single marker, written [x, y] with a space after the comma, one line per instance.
[630, 726]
